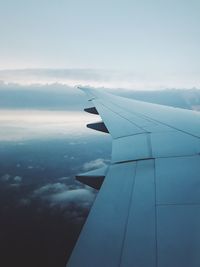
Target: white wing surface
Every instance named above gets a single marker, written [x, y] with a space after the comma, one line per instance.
[147, 212]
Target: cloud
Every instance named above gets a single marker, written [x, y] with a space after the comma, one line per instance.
[95, 164]
[17, 179]
[64, 178]
[50, 189]
[77, 196]
[70, 77]
[66, 196]
[100, 78]
[5, 178]
[75, 204]
[11, 180]
[60, 194]
[19, 125]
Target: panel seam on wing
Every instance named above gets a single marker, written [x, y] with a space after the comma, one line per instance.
[156, 231]
[151, 119]
[128, 215]
[141, 128]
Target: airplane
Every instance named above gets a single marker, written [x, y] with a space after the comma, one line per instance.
[147, 210]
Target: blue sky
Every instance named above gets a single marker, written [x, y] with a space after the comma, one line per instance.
[156, 39]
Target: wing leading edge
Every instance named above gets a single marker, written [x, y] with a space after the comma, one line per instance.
[147, 212]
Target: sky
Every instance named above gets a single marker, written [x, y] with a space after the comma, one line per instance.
[153, 41]
[143, 44]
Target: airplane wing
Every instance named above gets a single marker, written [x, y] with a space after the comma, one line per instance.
[147, 212]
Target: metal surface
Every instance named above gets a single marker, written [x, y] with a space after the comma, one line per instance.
[178, 180]
[174, 143]
[101, 240]
[117, 125]
[141, 224]
[178, 235]
[131, 148]
[147, 212]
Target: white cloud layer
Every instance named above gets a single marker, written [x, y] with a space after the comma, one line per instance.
[101, 78]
